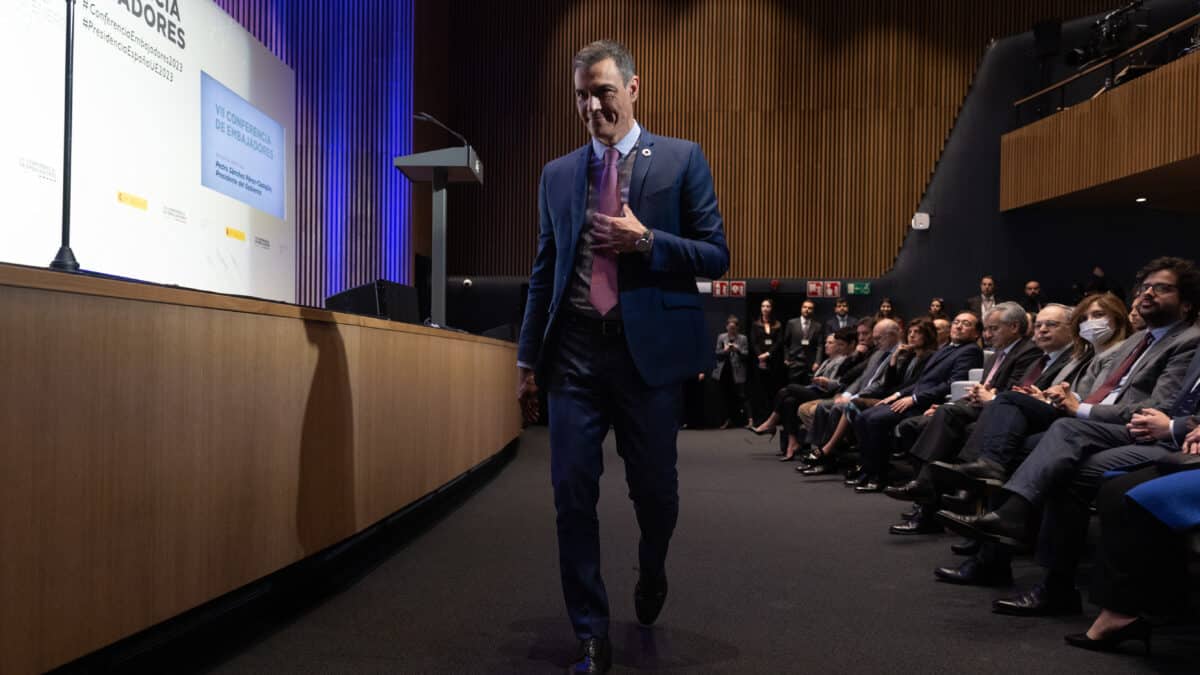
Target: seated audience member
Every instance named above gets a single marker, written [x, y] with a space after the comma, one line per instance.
[942, 327]
[981, 304]
[730, 372]
[937, 309]
[824, 384]
[1100, 326]
[1138, 413]
[1135, 319]
[802, 340]
[870, 385]
[874, 427]
[1142, 560]
[1004, 430]
[940, 433]
[841, 317]
[1032, 300]
[766, 340]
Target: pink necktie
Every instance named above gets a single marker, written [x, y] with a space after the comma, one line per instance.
[995, 367]
[603, 294]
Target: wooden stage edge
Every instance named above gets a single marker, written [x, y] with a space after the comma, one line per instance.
[161, 447]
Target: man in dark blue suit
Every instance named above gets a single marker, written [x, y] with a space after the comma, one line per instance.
[875, 426]
[613, 326]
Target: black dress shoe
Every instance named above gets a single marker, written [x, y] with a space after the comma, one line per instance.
[595, 656]
[912, 491]
[982, 470]
[1040, 600]
[921, 524]
[648, 598]
[988, 527]
[974, 573]
[820, 468]
[961, 501]
[965, 547]
[909, 515]
[871, 485]
[856, 480]
[1138, 629]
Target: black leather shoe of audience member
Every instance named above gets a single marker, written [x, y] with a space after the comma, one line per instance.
[921, 524]
[1040, 600]
[871, 485]
[912, 491]
[856, 480]
[988, 527]
[648, 598]
[961, 501]
[913, 513]
[974, 573]
[965, 547]
[825, 465]
[982, 469]
[595, 656]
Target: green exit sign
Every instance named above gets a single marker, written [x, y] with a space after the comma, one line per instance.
[858, 288]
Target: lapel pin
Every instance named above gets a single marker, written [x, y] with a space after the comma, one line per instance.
[645, 152]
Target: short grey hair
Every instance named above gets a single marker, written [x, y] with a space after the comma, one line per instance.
[1011, 312]
[1066, 309]
[597, 51]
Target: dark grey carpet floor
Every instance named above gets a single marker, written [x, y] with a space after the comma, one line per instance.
[770, 572]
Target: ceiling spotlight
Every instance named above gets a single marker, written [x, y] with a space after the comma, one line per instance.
[1140, 200]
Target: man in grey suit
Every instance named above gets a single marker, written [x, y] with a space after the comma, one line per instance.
[803, 337]
[730, 372]
[1139, 412]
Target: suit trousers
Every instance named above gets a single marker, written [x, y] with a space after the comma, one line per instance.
[1064, 472]
[874, 429]
[1006, 423]
[944, 435]
[593, 383]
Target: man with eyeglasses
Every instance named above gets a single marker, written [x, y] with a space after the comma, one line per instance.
[1017, 361]
[1141, 409]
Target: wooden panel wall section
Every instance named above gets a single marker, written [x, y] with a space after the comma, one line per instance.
[163, 447]
[1144, 125]
[822, 120]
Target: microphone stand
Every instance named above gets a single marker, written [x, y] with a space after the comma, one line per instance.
[65, 260]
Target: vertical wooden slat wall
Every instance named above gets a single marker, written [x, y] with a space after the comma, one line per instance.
[822, 119]
[353, 65]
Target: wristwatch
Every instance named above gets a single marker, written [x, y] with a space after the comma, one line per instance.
[643, 244]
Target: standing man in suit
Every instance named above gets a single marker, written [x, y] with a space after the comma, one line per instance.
[613, 326]
[841, 317]
[803, 337]
[1032, 302]
[986, 301]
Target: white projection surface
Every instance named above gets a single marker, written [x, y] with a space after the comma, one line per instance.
[183, 169]
[32, 38]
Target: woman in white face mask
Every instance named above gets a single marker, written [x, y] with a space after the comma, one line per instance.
[1101, 324]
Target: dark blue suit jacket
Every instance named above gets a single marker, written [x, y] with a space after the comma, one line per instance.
[671, 192]
[946, 365]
